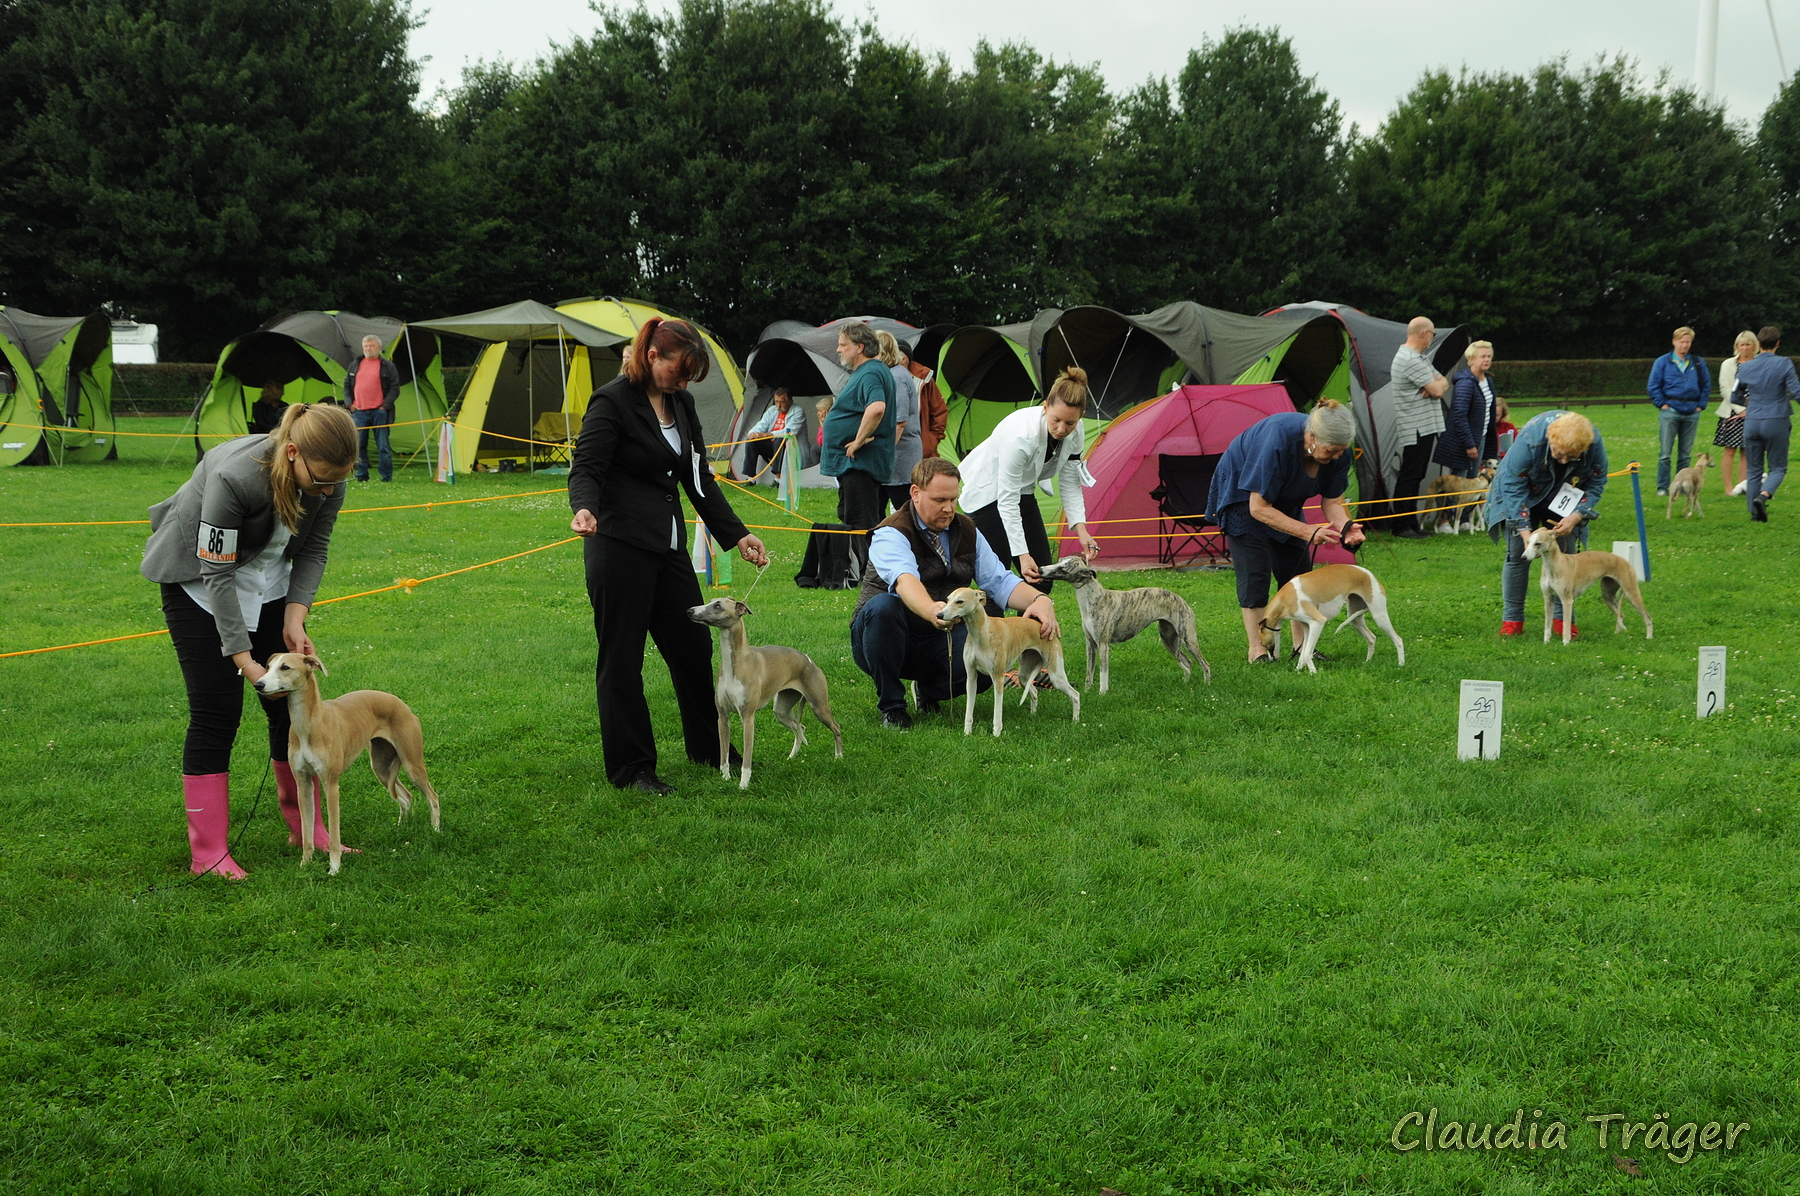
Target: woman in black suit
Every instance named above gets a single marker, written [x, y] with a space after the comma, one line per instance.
[640, 445]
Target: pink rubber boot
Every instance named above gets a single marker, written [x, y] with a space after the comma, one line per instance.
[209, 824]
[287, 796]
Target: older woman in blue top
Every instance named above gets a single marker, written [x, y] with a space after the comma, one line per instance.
[1554, 474]
[1469, 438]
[1258, 496]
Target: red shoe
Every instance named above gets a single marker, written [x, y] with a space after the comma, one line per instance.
[1511, 628]
[1556, 629]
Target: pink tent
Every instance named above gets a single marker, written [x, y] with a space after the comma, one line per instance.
[1188, 421]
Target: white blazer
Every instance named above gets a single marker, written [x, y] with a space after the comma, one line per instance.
[1005, 466]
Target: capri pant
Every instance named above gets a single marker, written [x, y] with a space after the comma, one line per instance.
[1257, 559]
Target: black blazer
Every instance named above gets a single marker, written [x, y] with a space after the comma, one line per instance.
[625, 474]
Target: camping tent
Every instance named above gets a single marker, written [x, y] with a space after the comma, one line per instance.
[985, 374]
[803, 358]
[1373, 343]
[72, 358]
[21, 422]
[1188, 421]
[1133, 358]
[717, 397]
[527, 372]
[421, 401]
[308, 353]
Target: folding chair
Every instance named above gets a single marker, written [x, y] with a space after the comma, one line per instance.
[552, 433]
[1181, 493]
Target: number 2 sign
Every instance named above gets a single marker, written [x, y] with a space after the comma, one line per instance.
[1711, 699]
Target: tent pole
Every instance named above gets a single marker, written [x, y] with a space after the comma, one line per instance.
[1116, 360]
[530, 401]
[562, 363]
[418, 401]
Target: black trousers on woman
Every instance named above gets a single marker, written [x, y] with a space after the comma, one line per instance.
[214, 689]
[638, 593]
[1037, 540]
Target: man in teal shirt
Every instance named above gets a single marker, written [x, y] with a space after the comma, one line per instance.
[858, 449]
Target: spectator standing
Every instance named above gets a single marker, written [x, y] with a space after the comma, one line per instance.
[1729, 435]
[1469, 437]
[934, 413]
[1680, 386]
[908, 443]
[858, 449]
[371, 389]
[781, 419]
[1419, 417]
[1766, 385]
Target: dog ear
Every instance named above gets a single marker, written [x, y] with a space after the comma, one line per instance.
[317, 665]
[743, 608]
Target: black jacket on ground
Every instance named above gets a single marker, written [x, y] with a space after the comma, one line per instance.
[624, 473]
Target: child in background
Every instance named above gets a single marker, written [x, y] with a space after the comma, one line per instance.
[1504, 428]
[822, 406]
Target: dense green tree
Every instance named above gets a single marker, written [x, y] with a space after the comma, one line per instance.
[206, 163]
[1225, 187]
[1778, 149]
[1572, 213]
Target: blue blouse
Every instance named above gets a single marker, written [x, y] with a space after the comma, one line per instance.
[1269, 458]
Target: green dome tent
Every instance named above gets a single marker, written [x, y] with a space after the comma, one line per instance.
[21, 423]
[71, 357]
[309, 353]
[985, 374]
[422, 401]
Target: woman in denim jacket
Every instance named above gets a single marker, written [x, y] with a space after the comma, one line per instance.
[1554, 449]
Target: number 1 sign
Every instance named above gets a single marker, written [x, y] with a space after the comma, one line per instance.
[1712, 682]
[1478, 720]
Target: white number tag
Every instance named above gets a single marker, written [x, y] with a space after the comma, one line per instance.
[1478, 720]
[217, 543]
[1566, 500]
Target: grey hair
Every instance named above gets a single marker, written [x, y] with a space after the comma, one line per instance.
[1331, 423]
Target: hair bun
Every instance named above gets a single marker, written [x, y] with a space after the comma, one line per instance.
[1075, 374]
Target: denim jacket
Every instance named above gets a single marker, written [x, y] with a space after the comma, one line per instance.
[1529, 475]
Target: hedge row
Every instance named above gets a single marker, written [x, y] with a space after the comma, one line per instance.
[176, 386]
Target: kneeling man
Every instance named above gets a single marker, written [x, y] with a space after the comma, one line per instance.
[916, 557]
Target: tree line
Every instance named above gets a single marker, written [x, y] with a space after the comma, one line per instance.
[207, 163]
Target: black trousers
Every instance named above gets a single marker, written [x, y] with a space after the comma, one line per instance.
[896, 496]
[638, 593]
[1415, 459]
[859, 506]
[1037, 540]
[215, 692]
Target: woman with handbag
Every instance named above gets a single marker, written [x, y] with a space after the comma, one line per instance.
[1729, 435]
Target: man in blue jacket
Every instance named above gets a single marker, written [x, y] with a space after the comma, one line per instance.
[1680, 386]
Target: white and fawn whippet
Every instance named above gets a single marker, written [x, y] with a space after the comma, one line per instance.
[751, 678]
[1313, 598]
[1111, 617]
[1451, 501]
[1686, 487]
[1566, 575]
[326, 737]
[992, 645]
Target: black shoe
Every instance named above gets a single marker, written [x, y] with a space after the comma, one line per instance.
[736, 759]
[649, 782]
[897, 720]
[1759, 509]
[929, 708]
[1411, 533]
[1318, 656]
[1265, 658]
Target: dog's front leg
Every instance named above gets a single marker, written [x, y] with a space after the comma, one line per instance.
[970, 685]
[749, 721]
[724, 735]
[1000, 706]
[1093, 651]
[1105, 666]
[1549, 605]
[332, 827]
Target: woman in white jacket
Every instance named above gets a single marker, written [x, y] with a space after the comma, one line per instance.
[1001, 474]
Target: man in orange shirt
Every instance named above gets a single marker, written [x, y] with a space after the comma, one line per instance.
[370, 390]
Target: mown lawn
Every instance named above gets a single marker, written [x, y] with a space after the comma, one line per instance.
[1211, 939]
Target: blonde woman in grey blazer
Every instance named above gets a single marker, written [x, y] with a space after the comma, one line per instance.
[239, 552]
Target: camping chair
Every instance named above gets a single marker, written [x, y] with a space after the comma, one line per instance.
[1183, 483]
[551, 426]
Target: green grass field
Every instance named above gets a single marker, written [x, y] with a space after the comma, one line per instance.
[1211, 939]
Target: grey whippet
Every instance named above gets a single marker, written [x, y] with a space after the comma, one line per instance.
[1111, 617]
[751, 678]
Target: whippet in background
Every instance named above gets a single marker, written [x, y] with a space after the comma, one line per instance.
[1450, 500]
[1566, 575]
[992, 645]
[326, 737]
[1686, 487]
[751, 678]
[1313, 598]
[1111, 617]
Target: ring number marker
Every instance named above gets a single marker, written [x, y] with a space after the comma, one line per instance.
[1711, 698]
[1479, 713]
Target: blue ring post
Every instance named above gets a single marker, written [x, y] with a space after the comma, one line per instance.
[1637, 497]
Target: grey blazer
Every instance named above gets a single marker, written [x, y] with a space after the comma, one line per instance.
[224, 515]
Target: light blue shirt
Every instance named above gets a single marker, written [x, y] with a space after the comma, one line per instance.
[892, 555]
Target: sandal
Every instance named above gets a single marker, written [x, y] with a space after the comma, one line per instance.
[1265, 658]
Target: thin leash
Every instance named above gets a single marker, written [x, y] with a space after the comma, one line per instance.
[230, 849]
[759, 576]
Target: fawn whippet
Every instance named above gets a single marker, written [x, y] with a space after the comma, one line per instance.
[326, 737]
[1566, 575]
[1451, 501]
[1313, 598]
[751, 678]
[1686, 486]
[993, 644]
[1111, 617]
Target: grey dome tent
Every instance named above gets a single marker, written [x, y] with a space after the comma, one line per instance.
[71, 357]
[803, 358]
[1373, 343]
[1132, 358]
[985, 374]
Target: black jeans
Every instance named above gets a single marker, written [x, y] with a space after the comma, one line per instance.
[1037, 540]
[638, 593]
[888, 644]
[1415, 459]
[215, 691]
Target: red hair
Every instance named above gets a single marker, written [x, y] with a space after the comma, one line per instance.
[670, 338]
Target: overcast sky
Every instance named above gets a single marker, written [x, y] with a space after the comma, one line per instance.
[1365, 53]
